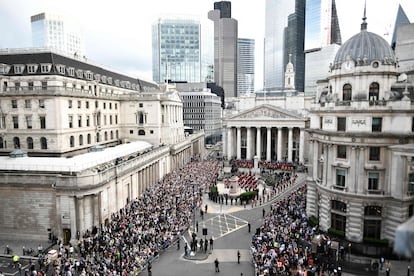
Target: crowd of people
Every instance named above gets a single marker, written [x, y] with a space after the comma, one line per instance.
[141, 230]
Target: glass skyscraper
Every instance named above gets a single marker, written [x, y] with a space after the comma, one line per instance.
[56, 32]
[245, 66]
[321, 24]
[176, 50]
[284, 35]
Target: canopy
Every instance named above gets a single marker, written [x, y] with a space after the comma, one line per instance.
[404, 239]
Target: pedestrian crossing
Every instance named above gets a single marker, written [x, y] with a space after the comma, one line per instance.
[221, 225]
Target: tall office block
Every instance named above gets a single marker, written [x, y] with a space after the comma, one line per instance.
[245, 66]
[322, 25]
[284, 35]
[58, 33]
[225, 47]
[176, 50]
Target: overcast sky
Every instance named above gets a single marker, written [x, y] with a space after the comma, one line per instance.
[118, 33]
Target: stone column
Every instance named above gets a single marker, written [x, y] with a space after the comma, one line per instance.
[351, 171]
[301, 145]
[329, 161]
[225, 141]
[229, 143]
[238, 143]
[315, 162]
[361, 173]
[258, 146]
[249, 142]
[279, 144]
[325, 161]
[290, 144]
[268, 143]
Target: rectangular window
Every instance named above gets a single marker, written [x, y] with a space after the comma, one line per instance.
[79, 104]
[341, 151]
[70, 119]
[70, 103]
[116, 119]
[410, 210]
[30, 85]
[410, 187]
[338, 222]
[15, 122]
[116, 106]
[374, 153]
[41, 103]
[17, 86]
[376, 124]
[14, 103]
[373, 180]
[104, 105]
[141, 105]
[27, 103]
[42, 122]
[29, 122]
[87, 121]
[340, 178]
[79, 121]
[372, 228]
[110, 105]
[96, 104]
[110, 119]
[341, 124]
[44, 85]
[87, 104]
[412, 124]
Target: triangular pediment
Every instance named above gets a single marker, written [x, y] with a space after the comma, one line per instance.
[266, 112]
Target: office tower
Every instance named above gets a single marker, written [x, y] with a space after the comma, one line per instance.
[245, 66]
[176, 50]
[58, 33]
[225, 47]
[284, 35]
[401, 19]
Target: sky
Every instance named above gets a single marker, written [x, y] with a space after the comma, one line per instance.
[118, 33]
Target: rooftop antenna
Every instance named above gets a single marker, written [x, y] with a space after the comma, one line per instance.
[364, 23]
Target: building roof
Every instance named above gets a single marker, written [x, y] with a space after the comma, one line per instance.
[74, 164]
[364, 48]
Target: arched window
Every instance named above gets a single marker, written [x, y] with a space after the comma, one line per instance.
[29, 142]
[347, 92]
[1, 143]
[16, 142]
[72, 141]
[106, 136]
[141, 132]
[80, 140]
[89, 138]
[112, 135]
[43, 143]
[373, 91]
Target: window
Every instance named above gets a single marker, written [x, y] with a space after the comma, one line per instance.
[131, 131]
[88, 138]
[70, 120]
[1, 143]
[338, 222]
[116, 134]
[42, 122]
[15, 122]
[410, 187]
[374, 153]
[112, 135]
[29, 121]
[104, 105]
[341, 124]
[110, 105]
[44, 85]
[141, 132]
[87, 104]
[410, 208]
[110, 119]
[79, 121]
[98, 137]
[27, 103]
[373, 91]
[79, 104]
[373, 180]
[72, 141]
[96, 104]
[43, 143]
[106, 136]
[373, 211]
[141, 105]
[341, 151]
[18, 69]
[116, 119]
[70, 103]
[376, 124]
[87, 120]
[31, 68]
[340, 178]
[30, 85]
[29, 141]
[41, 103]
[372, 222]
[116, 106]
[16, 142]
[45, 68]
[14, 103]
[347, 92]
[80, 140]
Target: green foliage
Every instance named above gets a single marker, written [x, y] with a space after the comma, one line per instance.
[336, 232]
[247, 195]
[313, 220]
[374, 241]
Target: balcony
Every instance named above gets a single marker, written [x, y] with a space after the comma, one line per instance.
[375, 192]
[360, 105]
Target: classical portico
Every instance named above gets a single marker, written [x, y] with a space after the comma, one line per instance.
[266, 131]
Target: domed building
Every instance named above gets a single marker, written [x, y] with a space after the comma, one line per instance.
[361, 165]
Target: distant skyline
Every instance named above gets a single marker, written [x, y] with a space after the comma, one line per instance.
[118, 33]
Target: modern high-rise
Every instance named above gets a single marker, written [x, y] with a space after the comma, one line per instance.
[176, 50]
[284, 36]
[321, 24]
[225, 47]
[58, 33]
[245, 66]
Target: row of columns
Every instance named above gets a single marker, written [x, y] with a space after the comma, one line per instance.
[228, 138]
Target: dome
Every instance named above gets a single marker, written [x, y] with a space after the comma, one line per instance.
[364, 48]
